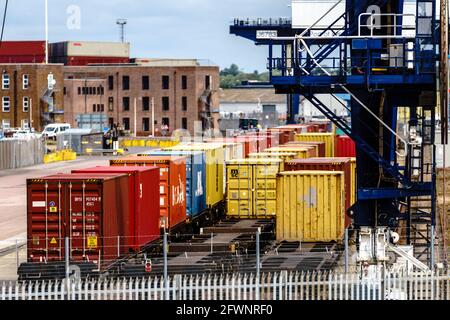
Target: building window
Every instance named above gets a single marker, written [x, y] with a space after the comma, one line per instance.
[79, 90]
[94, 90]
[165, 82]
[145, 124]
[102, 108]
[184, 103]
[26, 104]
[111, 82]
[25, 82]
[6, 104]
[184, 82]
[165, 122]
[145, 104]
[126, 123]
[126, 103]
[5, 81]
[165, 103]
[126, 83]
[184, 123]
[6, 124]
[101, 90]
[94, 108]
[65, 90]
[208, 82]
[111, 104]
[145, 82]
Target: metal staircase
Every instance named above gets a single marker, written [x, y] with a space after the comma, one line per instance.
[422, 170]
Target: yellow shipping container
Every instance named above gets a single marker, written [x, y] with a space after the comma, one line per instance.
[302, 152]
[328, 138]
[251, 188]
[310, 206]
[215, 163]
[285, 156]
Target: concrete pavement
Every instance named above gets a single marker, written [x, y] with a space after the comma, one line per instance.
[13, 192]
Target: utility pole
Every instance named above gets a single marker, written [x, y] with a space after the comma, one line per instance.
[121, 23]
[46, 31]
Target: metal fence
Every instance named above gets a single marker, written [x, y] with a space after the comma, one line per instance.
[16, 154]
[270, 286]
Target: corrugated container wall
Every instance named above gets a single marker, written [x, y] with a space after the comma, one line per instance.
[143, 188]
[328, 164]
[91, 210]
[321, 146]
[251, 188]
[284, 135]
[22, 52]
[215, 162]
[302, 152]
[310, 206]
[172, 186]
[328, 138]
[195, 178]
[90, 49]
[285, 156]
[345, 147]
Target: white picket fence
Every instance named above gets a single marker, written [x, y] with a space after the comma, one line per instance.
[273, 286]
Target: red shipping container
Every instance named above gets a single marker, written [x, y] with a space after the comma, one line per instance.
[320, 145]
[91, 210]
[327, 164]
[285, 135]
[143, 188]
[22, 52]
[271, 139]
[345, 147]
[172, 186]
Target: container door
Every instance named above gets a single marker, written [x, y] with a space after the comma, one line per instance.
[84, 213]
[164, 191]
[240, 191]
[46, 222]
[266, 190]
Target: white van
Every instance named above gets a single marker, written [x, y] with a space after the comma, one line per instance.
[55, 129]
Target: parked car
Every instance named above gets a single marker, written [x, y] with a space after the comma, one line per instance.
[51, 131]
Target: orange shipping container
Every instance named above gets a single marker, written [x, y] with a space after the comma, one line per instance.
[172, 186]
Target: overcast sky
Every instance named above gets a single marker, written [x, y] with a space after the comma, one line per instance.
[156, 28]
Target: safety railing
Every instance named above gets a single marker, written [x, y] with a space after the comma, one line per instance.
[257, 22]
[268, 286]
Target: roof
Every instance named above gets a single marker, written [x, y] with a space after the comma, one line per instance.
[250, 96]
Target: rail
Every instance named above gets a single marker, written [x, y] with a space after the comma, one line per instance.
[269, 286]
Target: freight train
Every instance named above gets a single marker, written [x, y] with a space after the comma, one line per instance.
[209, 197]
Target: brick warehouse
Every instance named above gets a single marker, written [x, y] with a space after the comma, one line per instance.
[26, 96]
[184, 91]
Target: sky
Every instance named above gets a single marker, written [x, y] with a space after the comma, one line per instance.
[156, 28]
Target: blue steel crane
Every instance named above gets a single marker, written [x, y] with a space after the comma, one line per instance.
[385, 58]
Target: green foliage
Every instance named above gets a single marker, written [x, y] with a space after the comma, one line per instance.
[233, 76]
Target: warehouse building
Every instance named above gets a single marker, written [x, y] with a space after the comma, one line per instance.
[31, 94]
[181, 92]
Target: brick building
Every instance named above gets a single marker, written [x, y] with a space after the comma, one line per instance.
[183, 91]
[26, 97]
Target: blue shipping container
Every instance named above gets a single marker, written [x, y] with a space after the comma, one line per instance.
[195, 178]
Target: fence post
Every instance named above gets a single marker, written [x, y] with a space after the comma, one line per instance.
[212, 245]
[67, 262]
[258, 268]
[346, 250]
[166, 280]
[432, 249]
